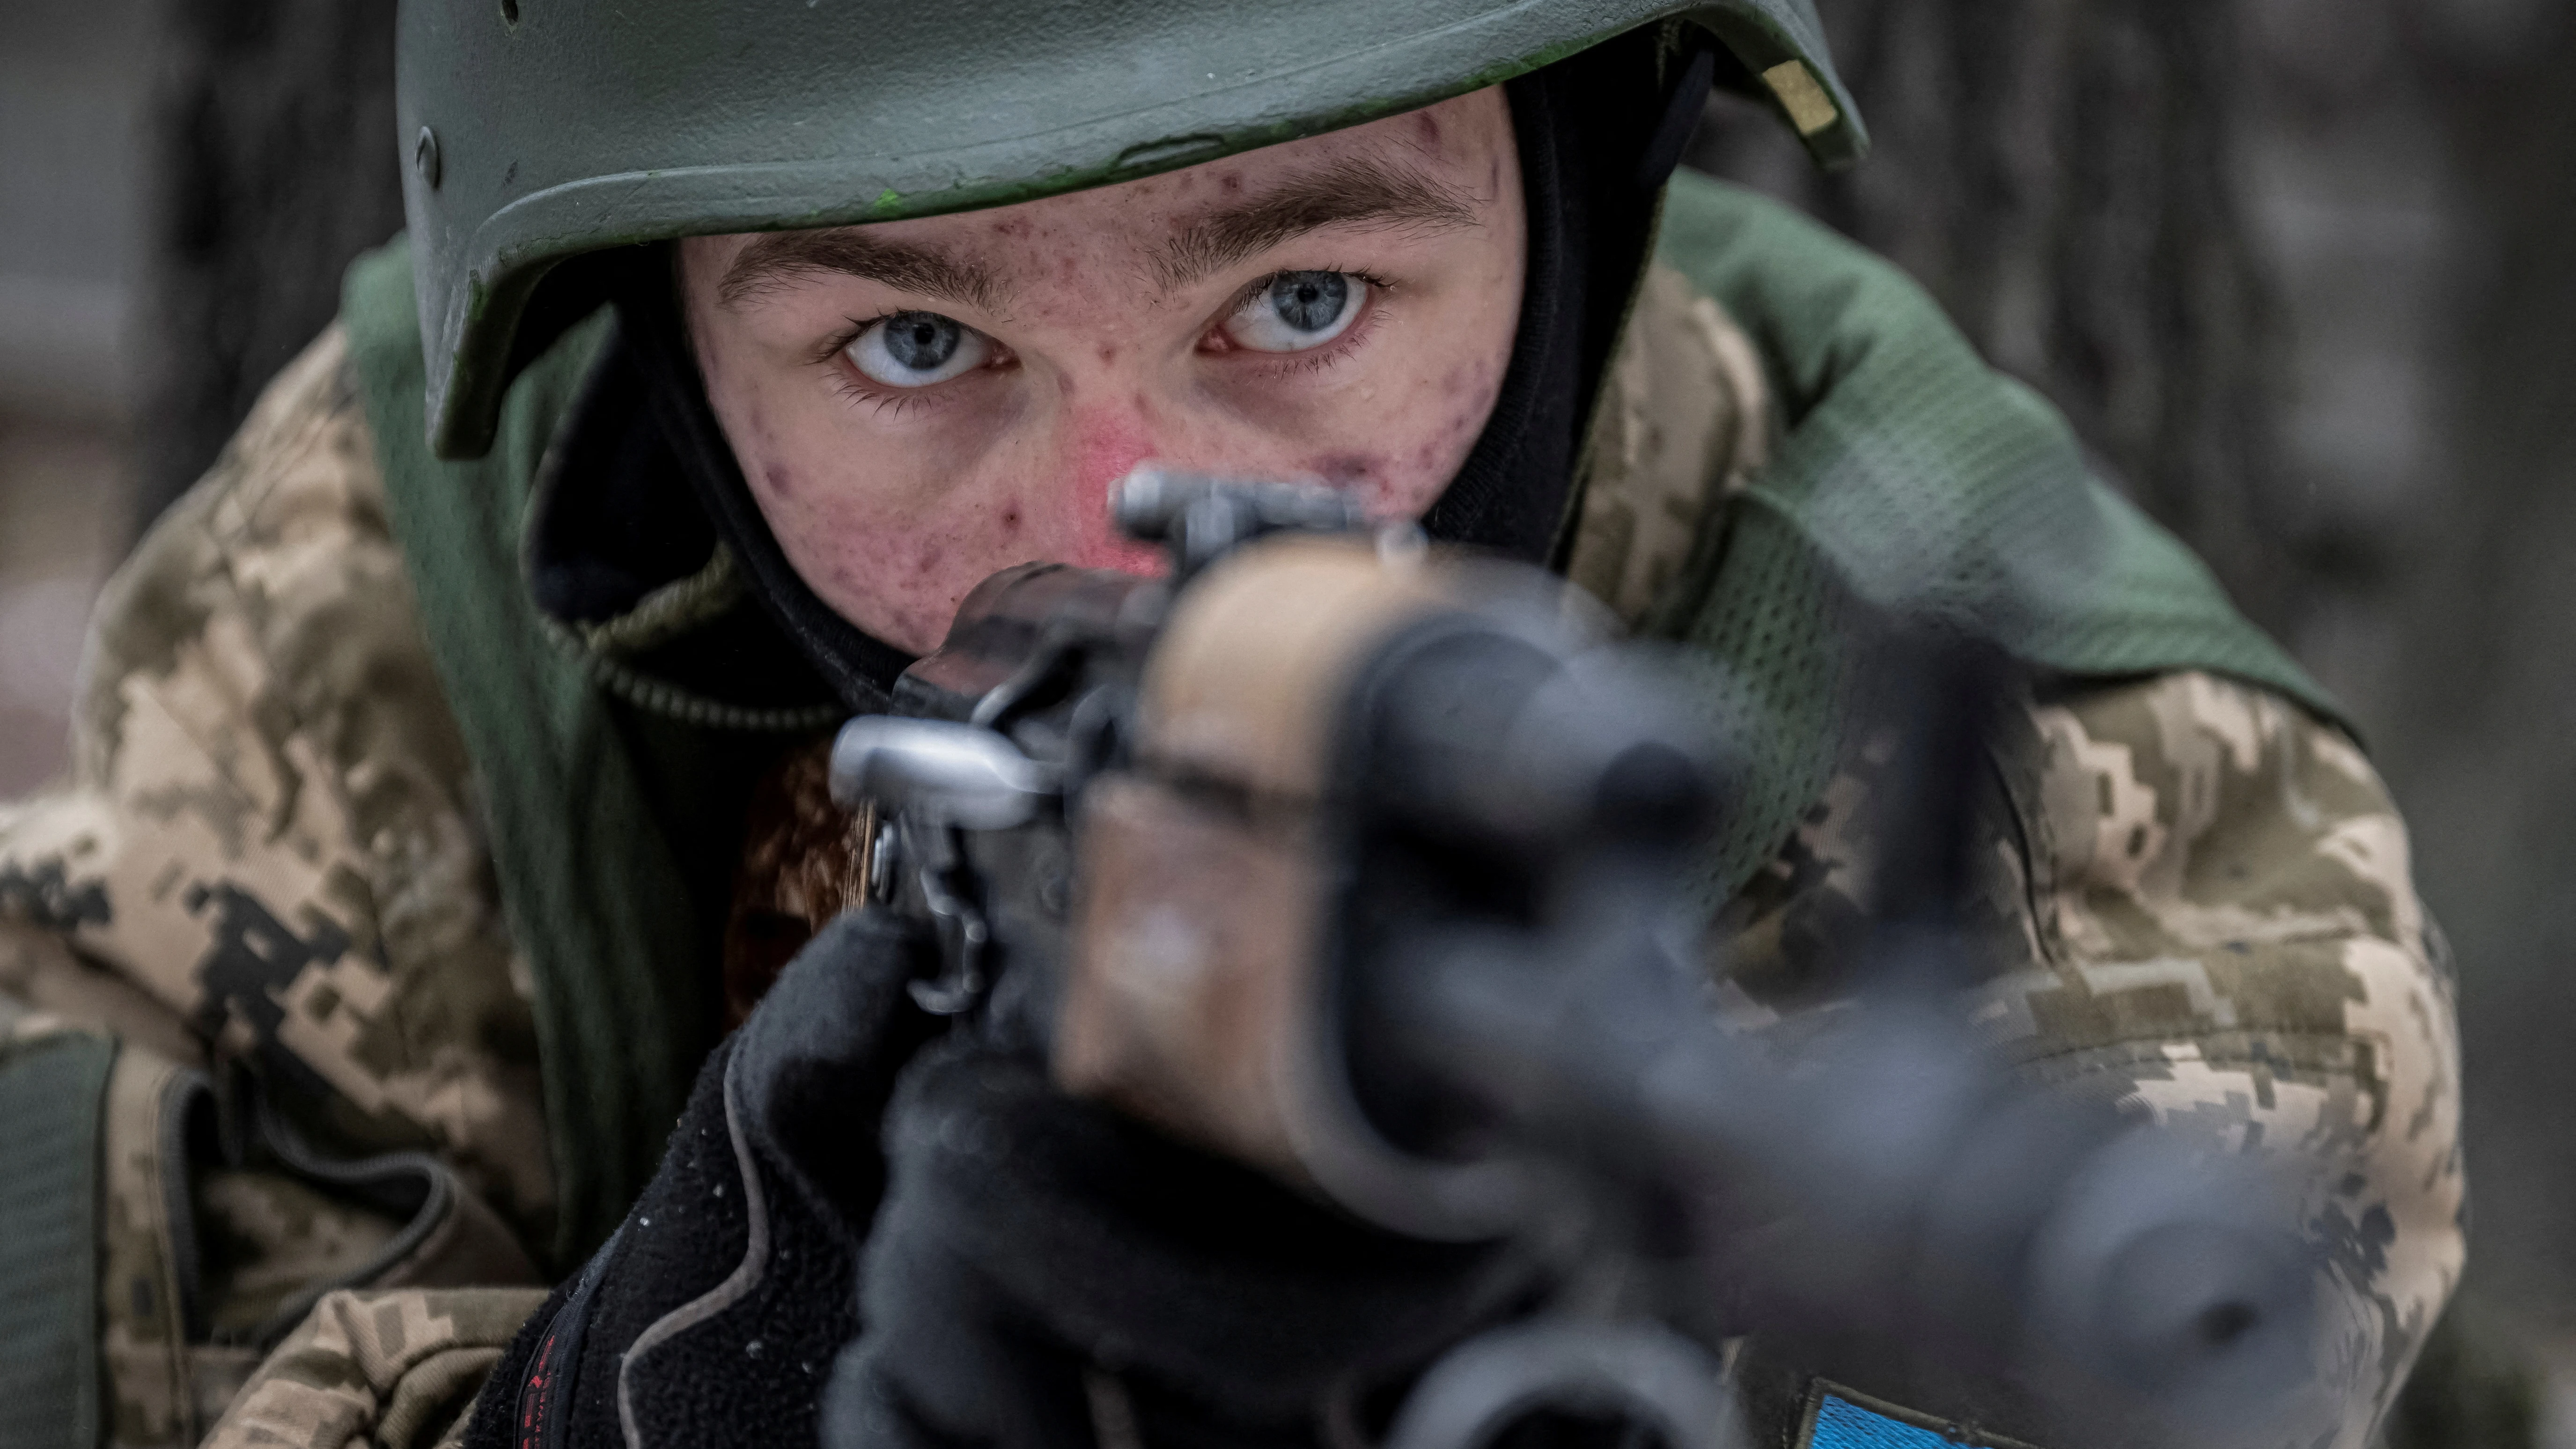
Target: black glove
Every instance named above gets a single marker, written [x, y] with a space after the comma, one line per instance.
[713, 1314]
[1037, 1254]
[1038, 1262]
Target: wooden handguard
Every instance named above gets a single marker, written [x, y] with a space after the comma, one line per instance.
[1191, 994]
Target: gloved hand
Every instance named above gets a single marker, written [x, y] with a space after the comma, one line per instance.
[712, 1315]
[1048, 1272]
[1012, 1267]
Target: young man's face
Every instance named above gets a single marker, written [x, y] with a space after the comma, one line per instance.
[917, 404]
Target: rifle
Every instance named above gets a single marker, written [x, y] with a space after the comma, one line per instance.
[1370, 866]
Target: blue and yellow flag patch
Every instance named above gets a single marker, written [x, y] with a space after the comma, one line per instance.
[1841, 1418]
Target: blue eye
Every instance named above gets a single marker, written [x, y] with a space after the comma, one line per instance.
[922, 341]
[916, 349]
[1298, 310]
[1310, 301]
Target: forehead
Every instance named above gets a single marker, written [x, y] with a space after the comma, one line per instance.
[1419, 168]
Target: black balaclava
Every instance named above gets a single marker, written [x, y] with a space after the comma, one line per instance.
[646, 481]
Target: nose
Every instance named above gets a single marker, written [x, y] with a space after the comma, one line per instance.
[1106, 443]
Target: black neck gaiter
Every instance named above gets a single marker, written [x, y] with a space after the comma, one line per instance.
[1598, 135]
[859, 667]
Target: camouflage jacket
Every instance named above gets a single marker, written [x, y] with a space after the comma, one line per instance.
[262, 906]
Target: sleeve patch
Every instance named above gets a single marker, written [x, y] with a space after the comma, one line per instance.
[1841, 1418]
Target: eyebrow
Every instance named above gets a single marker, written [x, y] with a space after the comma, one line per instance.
[1355, 191]
[781, 259]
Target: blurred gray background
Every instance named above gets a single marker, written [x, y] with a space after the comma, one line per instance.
[72, 87]
[2302, 271]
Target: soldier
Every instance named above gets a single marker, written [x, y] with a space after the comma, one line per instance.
[446, 780]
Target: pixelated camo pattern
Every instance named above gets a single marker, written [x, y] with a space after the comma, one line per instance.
[267, 828]
[266, 852]
[385, 1370]
[2199, 900]
[1684, 421]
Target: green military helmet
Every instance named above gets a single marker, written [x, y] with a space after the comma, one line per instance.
[539, 130]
